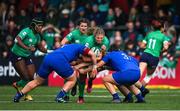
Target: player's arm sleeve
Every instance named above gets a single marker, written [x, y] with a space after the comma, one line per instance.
[22, 34]
[166, 39]
[70, 36]
[106, 58]
[87, 43]
[20, 37]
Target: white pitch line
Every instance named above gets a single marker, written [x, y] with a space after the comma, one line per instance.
[152, 91]
[92, 96]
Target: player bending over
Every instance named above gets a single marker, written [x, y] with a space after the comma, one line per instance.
[78, 36]
[59, 61]
[126, 73]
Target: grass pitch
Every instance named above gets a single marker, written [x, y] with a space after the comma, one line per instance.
[99, 99]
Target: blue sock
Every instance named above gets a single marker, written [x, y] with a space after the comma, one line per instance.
[142, 88]
[129, 96]
[61, 94]
[115, 96]
[139, 97]
[18, 96]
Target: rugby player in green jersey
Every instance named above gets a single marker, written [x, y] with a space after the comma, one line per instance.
[77, 36]
[25, 44]
[98, 43]
[154, 43]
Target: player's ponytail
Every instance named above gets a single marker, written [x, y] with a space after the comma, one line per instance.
[156, 24]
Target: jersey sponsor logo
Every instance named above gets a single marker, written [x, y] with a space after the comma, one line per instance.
[24, 33]
[30, 40]
[77, 41]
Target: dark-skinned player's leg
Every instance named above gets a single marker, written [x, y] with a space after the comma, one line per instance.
[22, 70]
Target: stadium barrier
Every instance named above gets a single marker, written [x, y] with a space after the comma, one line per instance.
[8, 74]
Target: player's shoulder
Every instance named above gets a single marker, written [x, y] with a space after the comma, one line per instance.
[75, 31]
[27, 29]
[90, 38]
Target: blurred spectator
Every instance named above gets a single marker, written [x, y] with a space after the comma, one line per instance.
[11, 15]
[120, 17]
[103, 9]
[138, 27]
[130, 34]
[5, 47]
[130, 48]
[139, 50]
[51, 17]
[133, 15]
[73, 9]
[96, 15]
[11, 29]
[38, 12]
[30, 10]
[137, 4]
[3, 12]
[64, 19]
[117, 44]
[145, 17]
[92, 23]
[42, 4]
[23, 20]
[120, 3]
[161, 15]
[80, 13]
[110, 18]
[51, 35]
[54, 3]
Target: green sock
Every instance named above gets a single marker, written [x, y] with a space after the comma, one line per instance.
[22, 83]
[67, 94]
[81, 88]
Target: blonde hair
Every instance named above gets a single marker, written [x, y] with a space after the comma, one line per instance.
[98, 31]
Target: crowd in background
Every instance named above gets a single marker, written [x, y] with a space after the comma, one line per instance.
[126, 22]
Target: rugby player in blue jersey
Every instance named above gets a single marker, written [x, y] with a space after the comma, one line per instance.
[126, 73]
[59, 61]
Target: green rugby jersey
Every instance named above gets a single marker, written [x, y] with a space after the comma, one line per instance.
[154, 42]
[29, 38]
[94, 46]
[76, 36]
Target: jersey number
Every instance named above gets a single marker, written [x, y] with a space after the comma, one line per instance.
[125, 56]
[152, 43]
